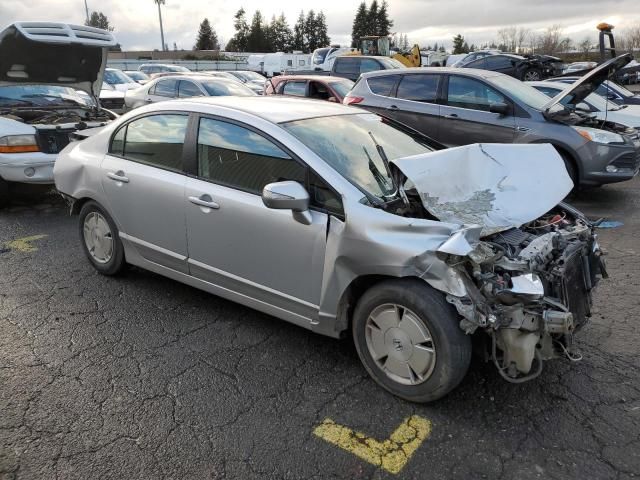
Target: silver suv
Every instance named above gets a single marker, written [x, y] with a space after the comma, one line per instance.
[461, 106]
[339, 221]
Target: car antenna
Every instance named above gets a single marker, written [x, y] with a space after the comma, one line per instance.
[396, 183]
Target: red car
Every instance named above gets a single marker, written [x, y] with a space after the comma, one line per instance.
[320, 87]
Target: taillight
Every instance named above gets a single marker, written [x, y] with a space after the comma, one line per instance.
[18, 144]
[352, 100]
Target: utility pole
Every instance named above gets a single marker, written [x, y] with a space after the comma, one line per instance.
[86, 10]
[160, 17]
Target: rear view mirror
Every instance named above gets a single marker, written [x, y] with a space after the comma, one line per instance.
[500, 108]
[288, 195]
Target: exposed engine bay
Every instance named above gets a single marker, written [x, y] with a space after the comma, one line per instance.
[531, 290]
[56, 116]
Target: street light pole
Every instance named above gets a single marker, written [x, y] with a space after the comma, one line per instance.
[86, 10]
[160, 17]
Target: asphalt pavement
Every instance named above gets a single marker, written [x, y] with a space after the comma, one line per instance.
[140, 377]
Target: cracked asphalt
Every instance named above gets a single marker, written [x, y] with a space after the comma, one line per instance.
[140, 377]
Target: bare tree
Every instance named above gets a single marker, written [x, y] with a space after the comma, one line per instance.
[513, 38]
[549, 41]
[585, 47]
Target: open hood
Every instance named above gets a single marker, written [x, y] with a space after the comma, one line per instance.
[49, 53]
[589, 83]
[495, 186]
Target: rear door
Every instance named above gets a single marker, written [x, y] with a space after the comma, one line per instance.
[186, 89]
[501, 63]
[382, 100]
[295, 88]
[164, 90]
[465, 115]
[416, 103]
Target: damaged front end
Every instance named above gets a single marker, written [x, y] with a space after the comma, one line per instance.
[529, 288]
[530, 275]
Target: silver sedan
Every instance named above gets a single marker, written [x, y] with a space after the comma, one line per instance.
[343, 222]
[184, 86]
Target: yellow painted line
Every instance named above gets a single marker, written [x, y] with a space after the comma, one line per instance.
[24, 244]
[391, 454]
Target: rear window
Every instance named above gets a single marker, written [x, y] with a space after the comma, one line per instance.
[419, 88]
[383, 85]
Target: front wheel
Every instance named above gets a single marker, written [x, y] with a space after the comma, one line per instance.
[409, 341]
[532, 75]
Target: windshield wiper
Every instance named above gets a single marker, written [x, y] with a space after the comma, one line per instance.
[377, 174]
[397, 184]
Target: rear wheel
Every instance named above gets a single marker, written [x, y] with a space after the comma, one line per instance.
[409, 341]
[100, 240]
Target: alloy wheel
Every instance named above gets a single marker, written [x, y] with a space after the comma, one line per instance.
[98, 237]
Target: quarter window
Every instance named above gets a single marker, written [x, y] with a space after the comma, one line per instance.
[156, 140]
[298, 89]
[166, 88]
[419, 88]
[470, 93]
[240, 158]
[383, 85]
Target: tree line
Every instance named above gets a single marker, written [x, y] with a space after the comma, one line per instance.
[372, 20]
[308, 33]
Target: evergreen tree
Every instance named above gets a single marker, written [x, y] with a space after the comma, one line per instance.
[372, 19]
[239, 42]
[99, 20]
[465, 47]
[256, 41]
[435, 47]
[359, 25]
[207, 38]
[383, 24]
[310, 32]
[322, 36]
[458, 44]
[298, 34]
[281, 38]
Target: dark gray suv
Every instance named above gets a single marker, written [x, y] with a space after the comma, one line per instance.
[463, 106]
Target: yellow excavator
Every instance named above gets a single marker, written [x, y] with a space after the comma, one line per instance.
[381, 46]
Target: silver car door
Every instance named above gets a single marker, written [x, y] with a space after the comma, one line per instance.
[416, 103]
[165, 89]
[144, 182]
[466, 117]
[237, 243]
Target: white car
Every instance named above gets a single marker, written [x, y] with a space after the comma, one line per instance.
[137, 76]
[40, 108]
[600, 107]
[114, 86]
[579, 67]
[183, 86]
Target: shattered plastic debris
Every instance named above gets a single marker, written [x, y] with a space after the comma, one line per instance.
[609, 224]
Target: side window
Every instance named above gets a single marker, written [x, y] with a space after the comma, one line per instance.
[157, 140]
[240, 158]
[188, 89]
[289, 63]
[301, 63]
[369, 65]
[348, 65]
[470, 93]
[298, 89]
[117, 142]
[166, 88]
[322, 196]
[383, 85]
[497, 62]
[419, 88]
[549, 92]
[478, 63]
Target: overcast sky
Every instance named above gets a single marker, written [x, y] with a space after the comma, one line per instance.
[425, 21]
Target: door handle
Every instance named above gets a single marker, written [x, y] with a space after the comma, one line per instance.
[118, 176]
[204, 201]
[392, 107]
[451, 115]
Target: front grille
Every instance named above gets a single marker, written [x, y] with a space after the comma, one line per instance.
[629, 161]
[53, 141]
[112, 103]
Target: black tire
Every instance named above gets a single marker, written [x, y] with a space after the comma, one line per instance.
[117, 261]
[532, 75]
[4, 193]
[452, 346]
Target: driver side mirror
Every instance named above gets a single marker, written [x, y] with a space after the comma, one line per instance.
[501, 109]
[288, 195]
[332, 99]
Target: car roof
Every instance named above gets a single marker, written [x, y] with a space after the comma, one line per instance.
[190, 76]
[559, 85]
[277, 109]
[471, 72]
[318, 78]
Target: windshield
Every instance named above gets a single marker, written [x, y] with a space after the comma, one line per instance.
[176, 68]
[390, 63]
[248, 76]
[137, 75]
[619, 89]
[39, 95]
[116, 77]
[521, 91]
[319, 55]
[342, 87]
[222, 88]
[345, 142]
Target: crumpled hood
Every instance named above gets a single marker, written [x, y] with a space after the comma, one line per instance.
[51, 53]
[589, 83]
[495, 186]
